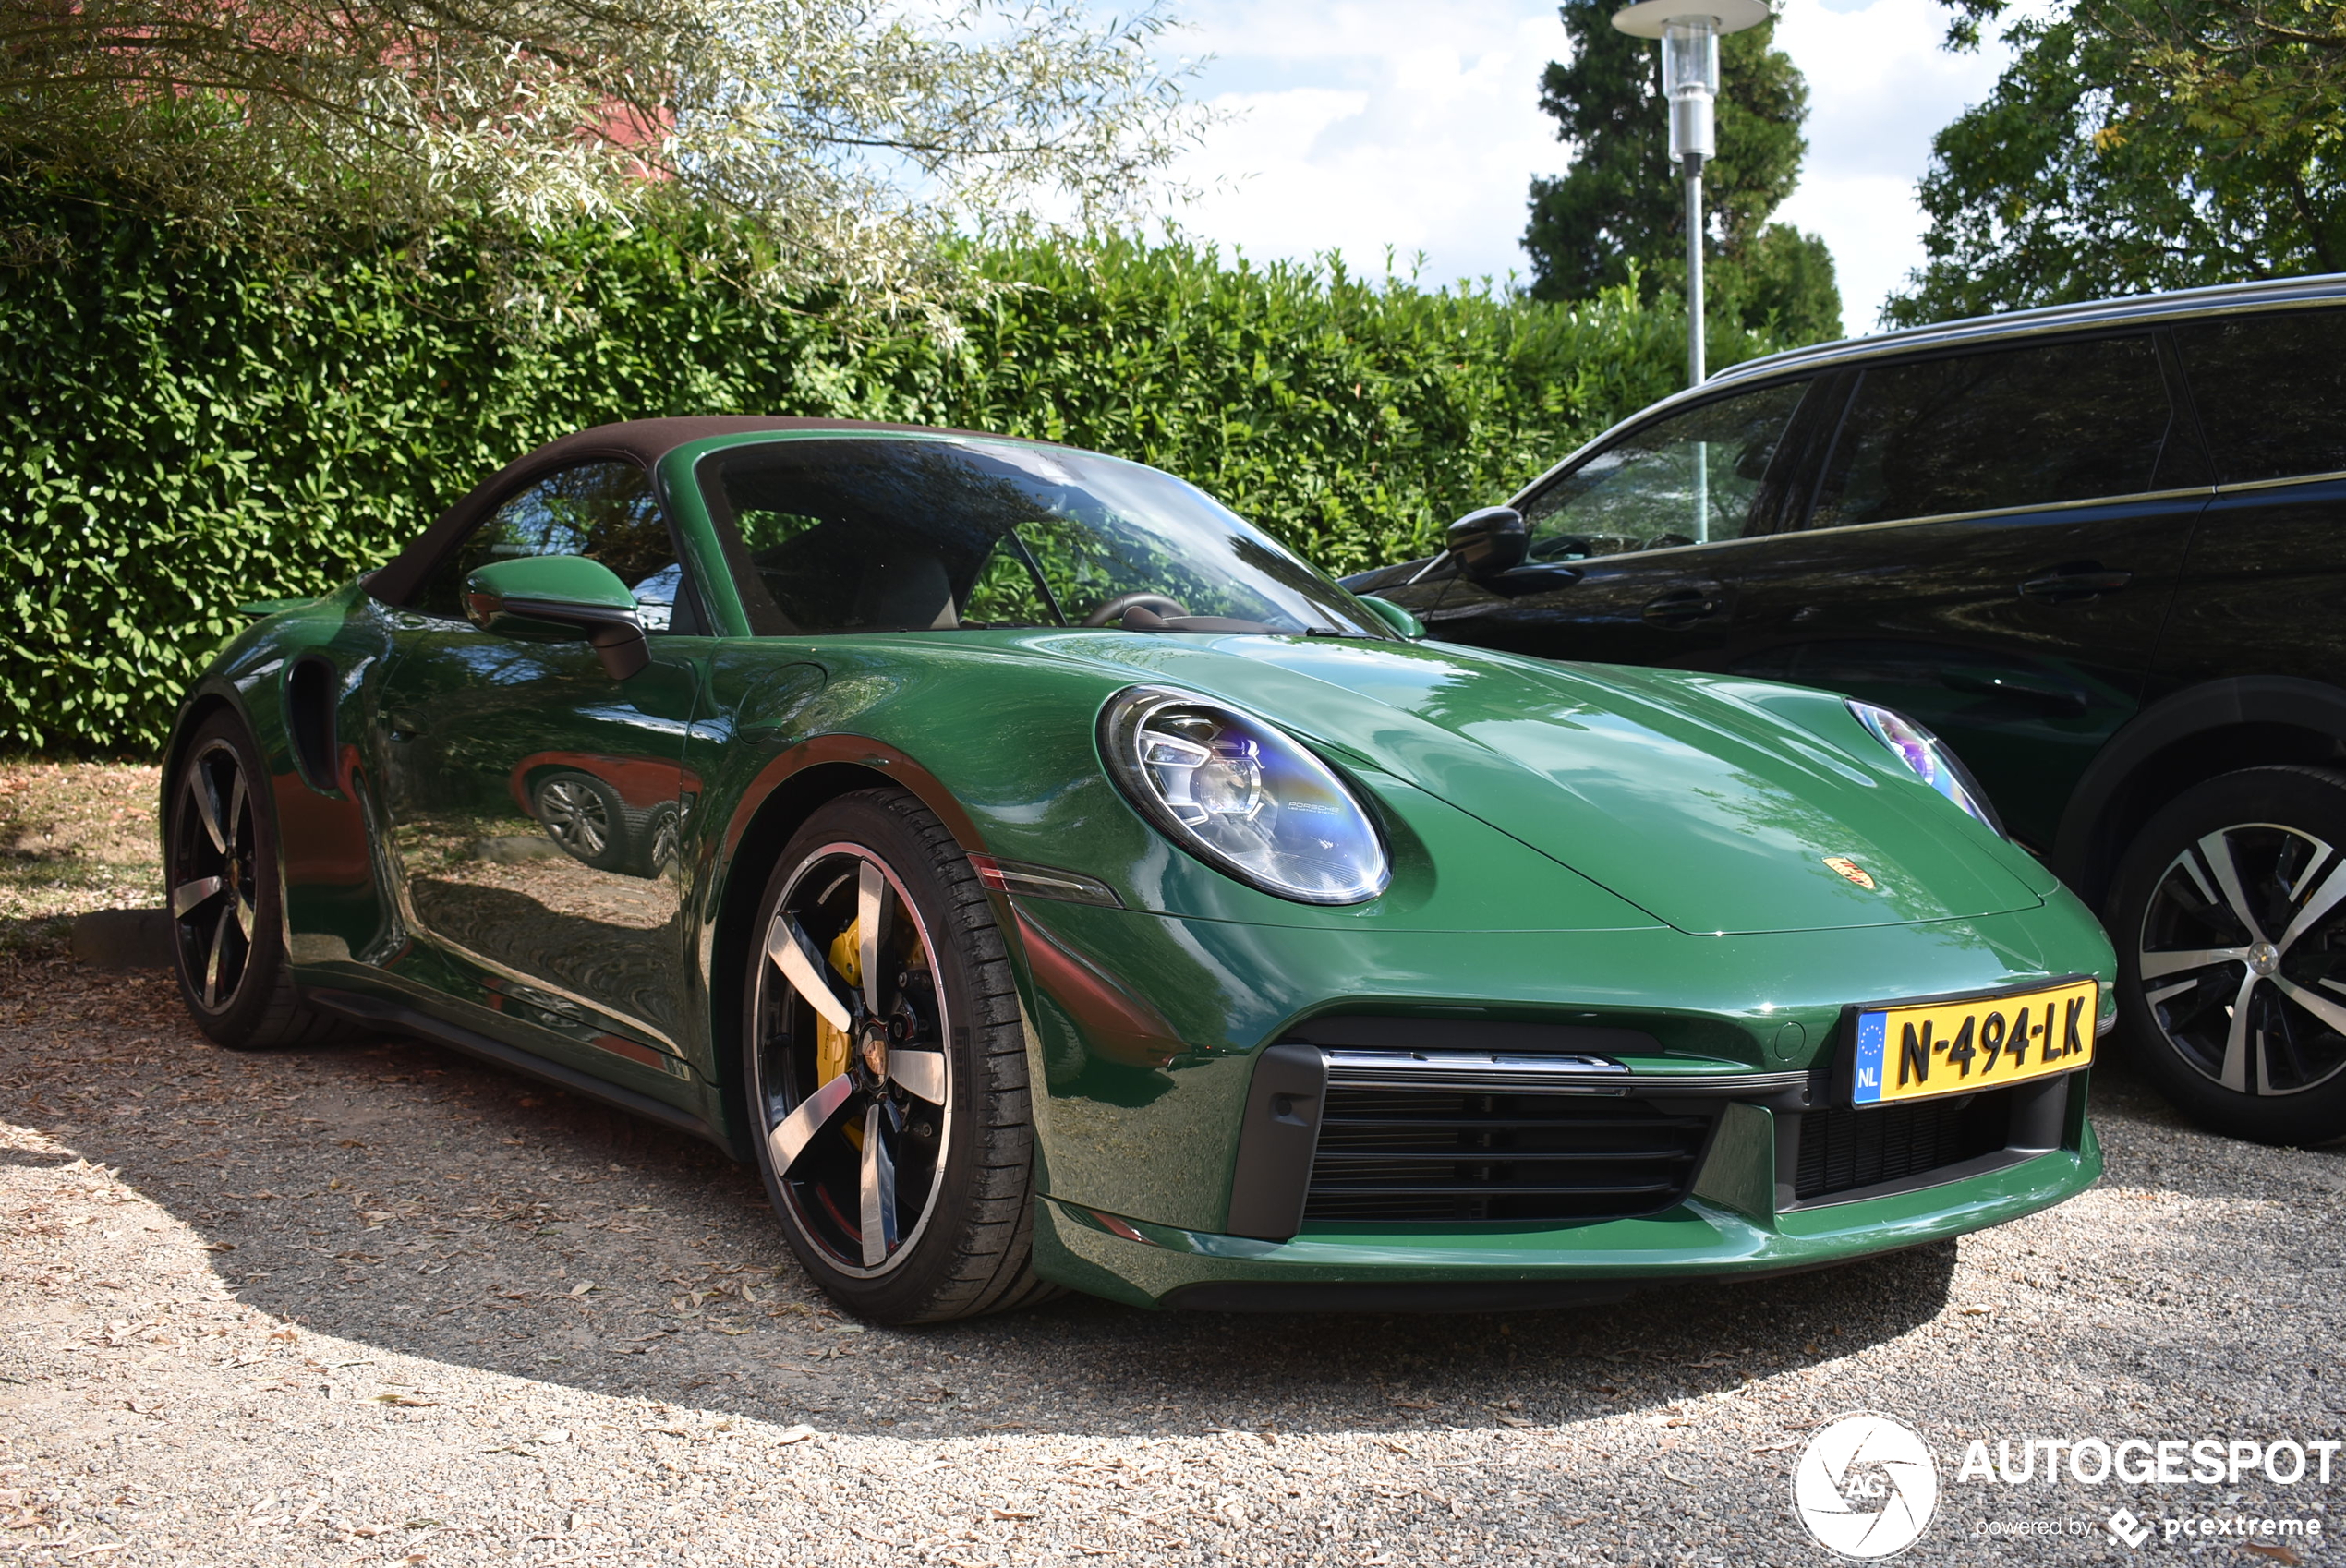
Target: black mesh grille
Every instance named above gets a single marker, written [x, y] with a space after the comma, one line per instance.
[1388, 1154]
[1845, 1148]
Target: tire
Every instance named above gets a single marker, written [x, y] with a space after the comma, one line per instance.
[657, 838]
[585, 818]
[2229, 915]
[926, 1131]
[225, 899]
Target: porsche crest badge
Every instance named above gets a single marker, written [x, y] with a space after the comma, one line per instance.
[1853, 871]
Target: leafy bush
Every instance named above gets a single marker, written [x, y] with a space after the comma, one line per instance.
[187, 428]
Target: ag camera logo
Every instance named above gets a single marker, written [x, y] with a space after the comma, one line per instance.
[1865, 1487]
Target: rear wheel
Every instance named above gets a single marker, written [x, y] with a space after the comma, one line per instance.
[2229, 913]
[886, 1069]
[220, 884]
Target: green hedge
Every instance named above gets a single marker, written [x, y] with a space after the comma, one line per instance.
[186, 430]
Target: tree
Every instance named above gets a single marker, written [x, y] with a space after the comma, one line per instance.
[1621, 209]
[848, 138]
[2137, 145]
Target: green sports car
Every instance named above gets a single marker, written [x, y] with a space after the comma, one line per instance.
[1049, 880]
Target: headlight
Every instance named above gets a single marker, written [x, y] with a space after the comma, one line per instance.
[1241, 797]
[1930, 760]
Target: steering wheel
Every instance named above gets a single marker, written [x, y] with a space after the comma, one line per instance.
[1156, 604]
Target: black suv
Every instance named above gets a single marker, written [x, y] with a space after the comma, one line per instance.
[2098, 549]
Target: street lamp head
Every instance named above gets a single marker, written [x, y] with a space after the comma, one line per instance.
[1689, 30]
[1648, 17]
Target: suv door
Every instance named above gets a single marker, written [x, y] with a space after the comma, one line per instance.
[1635, 552]
[1992, 549]
[2267, 564]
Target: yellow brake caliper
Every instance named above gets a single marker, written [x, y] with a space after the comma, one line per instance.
[833, 1048]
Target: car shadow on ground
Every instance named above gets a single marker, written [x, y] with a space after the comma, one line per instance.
[406, 1199]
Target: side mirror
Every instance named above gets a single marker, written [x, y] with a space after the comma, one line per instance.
[1393, 615]
[1488, 542]
[544, 598]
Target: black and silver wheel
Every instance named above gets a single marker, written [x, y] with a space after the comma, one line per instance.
[584, 816]
[2229, 917]
[220, 883]
[885, 1068]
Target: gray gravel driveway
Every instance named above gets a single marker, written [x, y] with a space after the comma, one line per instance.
[380, 1304]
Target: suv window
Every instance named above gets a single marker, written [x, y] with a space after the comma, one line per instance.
[1685, 480]
[602, 511]
[2270, 389]
[1980, 432]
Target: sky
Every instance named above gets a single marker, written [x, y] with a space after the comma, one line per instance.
[1361, 125]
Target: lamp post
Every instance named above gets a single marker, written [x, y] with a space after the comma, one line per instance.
[1691, 31]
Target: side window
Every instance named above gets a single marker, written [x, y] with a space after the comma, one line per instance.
[2026, 427]
[2270, 389]
[602, 511]
[1696, 477]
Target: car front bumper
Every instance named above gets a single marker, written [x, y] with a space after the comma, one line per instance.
[1180, 1065]
[1499, 1267]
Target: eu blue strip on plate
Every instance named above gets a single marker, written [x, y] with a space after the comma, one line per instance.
[1873, 1038]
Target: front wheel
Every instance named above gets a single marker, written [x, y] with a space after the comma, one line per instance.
[886, 1069]
[2229, 914]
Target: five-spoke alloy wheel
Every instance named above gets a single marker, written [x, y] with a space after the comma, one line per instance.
[885, 1068]
[2229, 912]
[220, 882]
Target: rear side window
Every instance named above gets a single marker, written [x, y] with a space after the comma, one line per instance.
[2271, 392]
[1696, 477]
[1983, 432]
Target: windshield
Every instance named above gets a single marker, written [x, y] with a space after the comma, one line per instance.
[863, 535]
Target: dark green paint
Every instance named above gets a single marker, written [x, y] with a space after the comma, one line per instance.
[1569, 844]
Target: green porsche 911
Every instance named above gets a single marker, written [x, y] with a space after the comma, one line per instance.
[1049, 880]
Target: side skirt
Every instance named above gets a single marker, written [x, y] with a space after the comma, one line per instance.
[376, 1013]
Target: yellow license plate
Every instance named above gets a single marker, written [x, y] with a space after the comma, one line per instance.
[1934, 1048]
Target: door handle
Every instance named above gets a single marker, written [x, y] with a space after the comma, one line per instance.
[2058, 695]
[2064, 584]
[1682, 607]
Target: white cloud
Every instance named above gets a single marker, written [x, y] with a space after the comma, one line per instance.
[1880, 88]
[1358, 127]
[1367, 124]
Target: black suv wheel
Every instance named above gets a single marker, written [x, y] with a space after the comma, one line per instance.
[2229, 914]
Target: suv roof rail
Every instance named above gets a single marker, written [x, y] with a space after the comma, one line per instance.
[2214, 299]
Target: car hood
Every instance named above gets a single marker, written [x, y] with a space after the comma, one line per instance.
[1707, 812]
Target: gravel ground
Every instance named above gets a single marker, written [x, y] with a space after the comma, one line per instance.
[379, 1303]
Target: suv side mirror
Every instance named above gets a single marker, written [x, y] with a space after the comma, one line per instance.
[1489, 541]
[548, 598]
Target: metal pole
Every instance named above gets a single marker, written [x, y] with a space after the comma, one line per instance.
[1694, 270]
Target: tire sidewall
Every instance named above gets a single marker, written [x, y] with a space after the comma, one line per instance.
[905, 1293]
[2309, 799]
[238, 1023]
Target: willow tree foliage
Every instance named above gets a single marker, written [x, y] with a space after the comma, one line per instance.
[2137, 145]
[1620, 209]
[851, 135]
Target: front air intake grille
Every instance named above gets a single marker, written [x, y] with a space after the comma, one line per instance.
[1390, 1154]
[1845, 1148]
